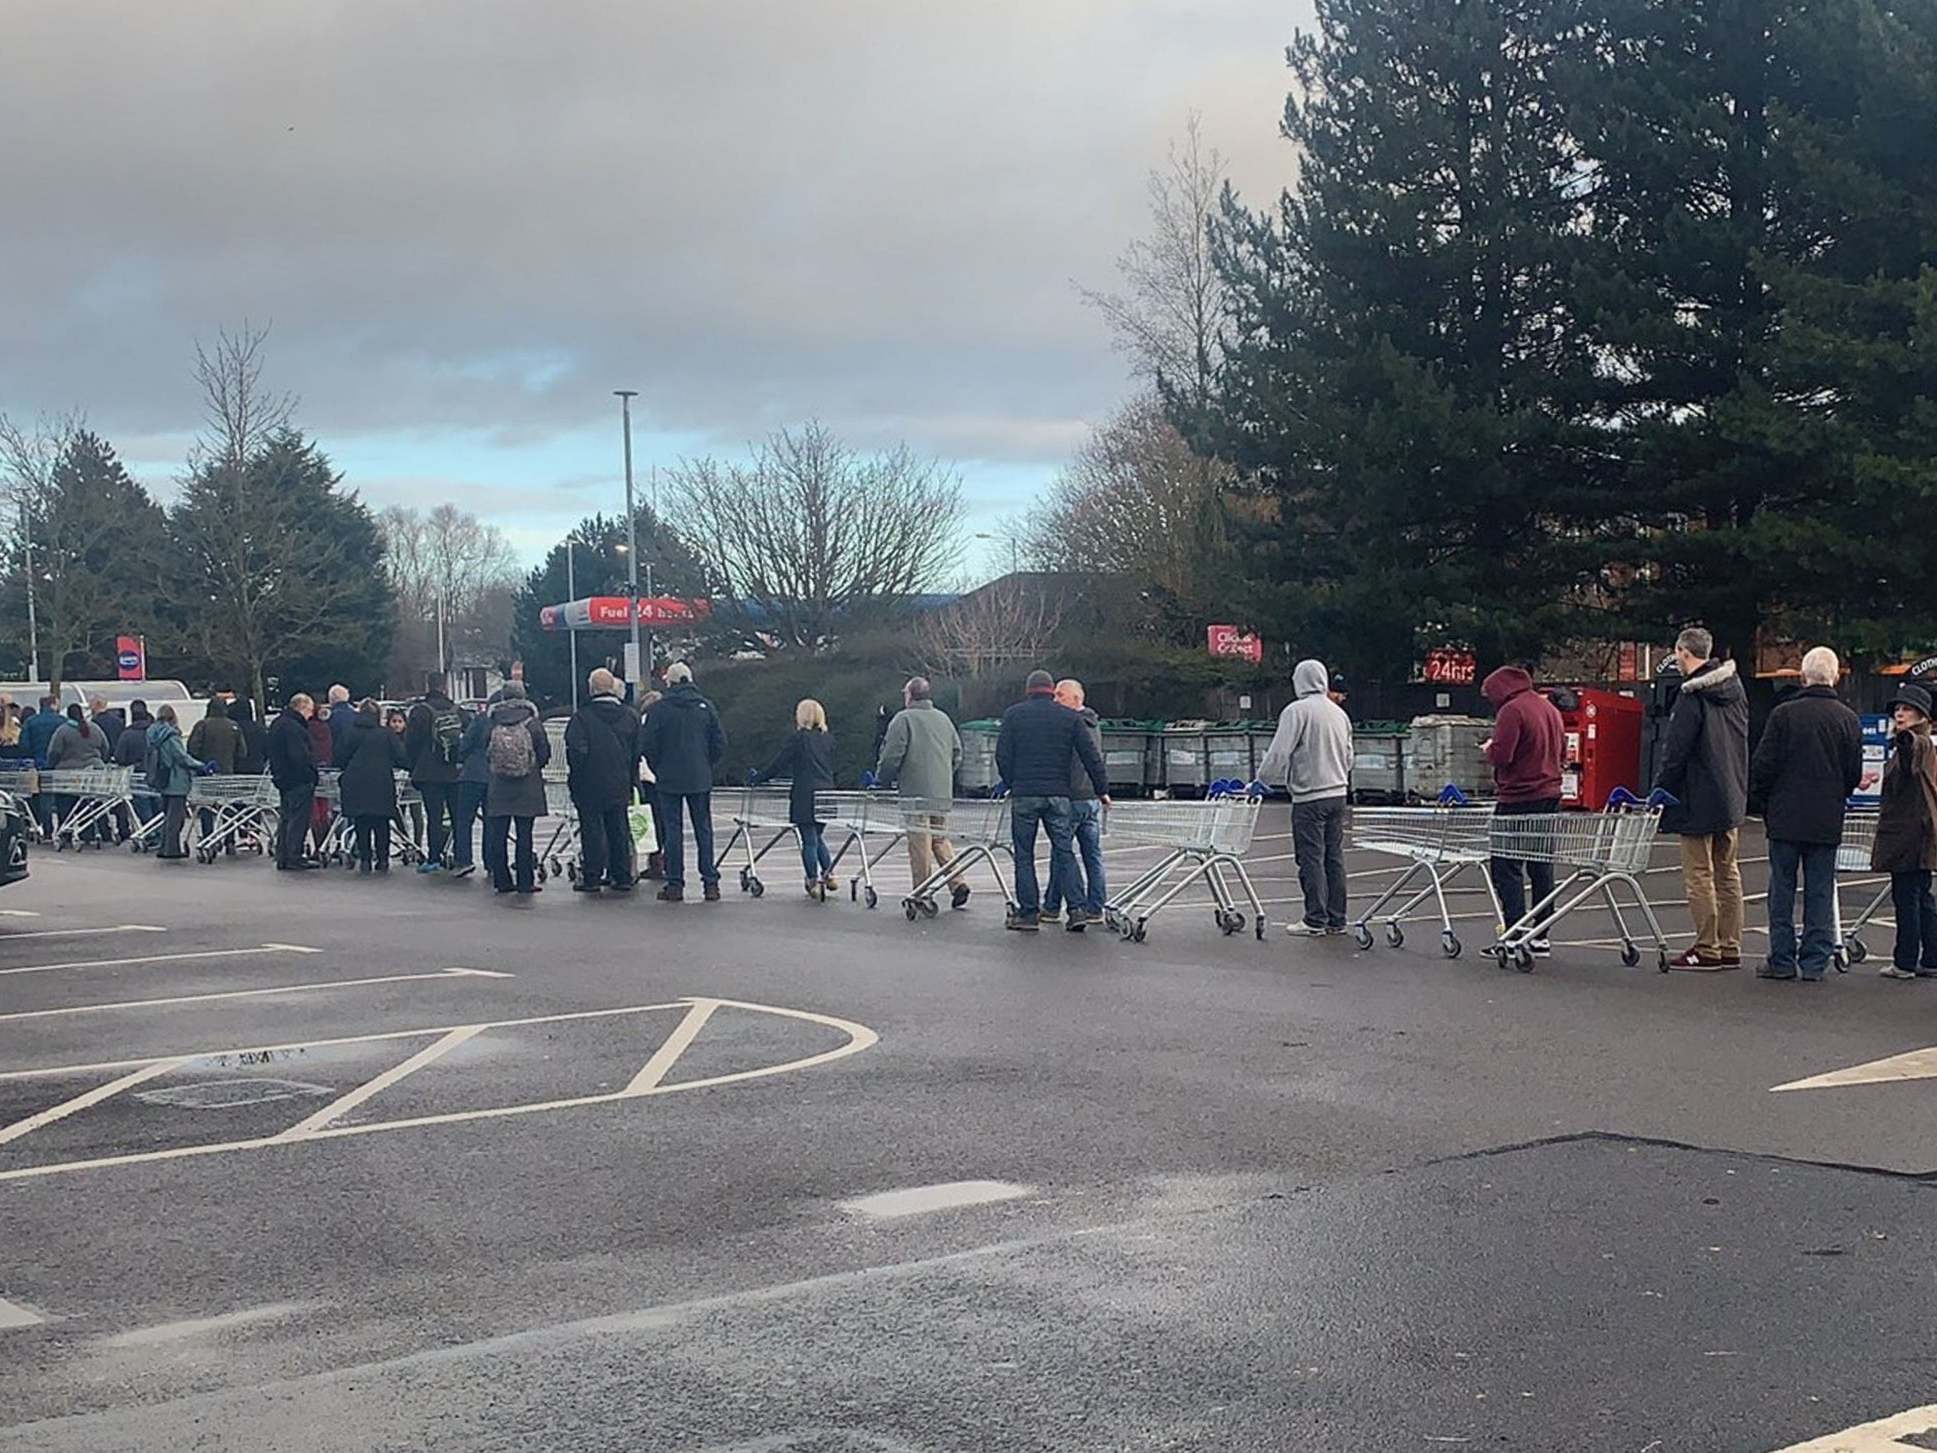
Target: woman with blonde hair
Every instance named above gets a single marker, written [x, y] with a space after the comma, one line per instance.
[807, 760]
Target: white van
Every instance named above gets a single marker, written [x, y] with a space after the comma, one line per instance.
[188, 709]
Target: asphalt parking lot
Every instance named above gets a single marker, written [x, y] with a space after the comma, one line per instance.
[326, 1163]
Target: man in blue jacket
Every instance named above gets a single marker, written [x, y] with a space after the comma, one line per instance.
[1033, 752]
[683, 742]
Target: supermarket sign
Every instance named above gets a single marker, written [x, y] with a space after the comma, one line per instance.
[1230, 641]
[613, 612]
[1447, 666]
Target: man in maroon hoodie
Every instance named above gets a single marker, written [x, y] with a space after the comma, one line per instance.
[1525, 750]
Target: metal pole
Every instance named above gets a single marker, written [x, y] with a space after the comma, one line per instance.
[626, 396]
[652, 653]
[571, 594]
[33, 621]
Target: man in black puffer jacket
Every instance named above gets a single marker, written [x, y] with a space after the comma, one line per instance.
[1039, 738]
[1704, 765]
[683, 742]
[602, 766]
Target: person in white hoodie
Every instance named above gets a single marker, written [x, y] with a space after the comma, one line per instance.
[1311, 755]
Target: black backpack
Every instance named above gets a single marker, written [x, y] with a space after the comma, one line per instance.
[447, 734]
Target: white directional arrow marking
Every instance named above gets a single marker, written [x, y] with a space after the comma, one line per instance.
[1918, 1064]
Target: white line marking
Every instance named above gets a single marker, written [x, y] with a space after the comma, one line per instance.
[12, 1314]
[196, 1058]
[216, 953]
[667, 1055]
[293, 948]
[346, 1103]
[18, 913]
[860, 1038]
[947, 1196]
[205, 1326]
[7, 938]
[1918, 1064]
[92, 1097]
[1879, 1437]
[249, 993]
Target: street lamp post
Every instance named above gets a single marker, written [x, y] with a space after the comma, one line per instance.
[33, 621]
[1015, 566]
[571, 626]
[626, 396]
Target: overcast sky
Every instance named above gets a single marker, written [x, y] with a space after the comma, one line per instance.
[469, 220]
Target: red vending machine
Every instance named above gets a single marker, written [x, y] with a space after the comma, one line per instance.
[1603, 747]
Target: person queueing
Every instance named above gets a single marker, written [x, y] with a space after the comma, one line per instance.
[131, 750]
[172, 771]
[684, 742]
[76, 747]
[291, 751]
[516, 750]
[250, 760]
[473, 784]
[216, 738]
[602, 766]
[1525, 752]
[921, 755]
[806, 759]
[1311, 756]
[434, 745]
[1906, 835]
[1085, 888]
[373, 754]
[322, 749]
[655, 865]
[1032, 752]
[1704, 766]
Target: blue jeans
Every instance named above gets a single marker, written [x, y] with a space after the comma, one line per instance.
[1916, 913]
[814, 857]
[1818, 864]
[1083, 888]
[1053, 814]
[698, 805]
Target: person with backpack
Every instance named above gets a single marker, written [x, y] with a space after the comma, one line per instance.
[170, 771]
[514, 750]
[807, 762]
[684, 742]
[367, 777]
[434, 746]
[602, 766]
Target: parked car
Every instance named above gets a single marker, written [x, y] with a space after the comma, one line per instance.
[15, 828]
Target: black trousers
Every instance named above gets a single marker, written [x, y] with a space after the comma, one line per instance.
[1509, 874]
[605, 845]
[497, 834]
[440, 813]
[175, 815]
[294, 805]
[373, 841]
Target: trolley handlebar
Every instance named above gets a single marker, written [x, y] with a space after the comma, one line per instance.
[1656, 800]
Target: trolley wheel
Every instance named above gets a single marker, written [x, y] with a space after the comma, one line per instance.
[571, 871]
[1858, 950]
[1523, 959]
[1137, 931]
[873, 898]
[909, 909]
[746, 880]
[929, 908]
[1450, 945]
[854, 890]
[1111, 922]
[1395, 935]
[1630, 955]
[1840, 957]
[1662, 957]
[542, 875]
[137, 846]
[1257, 927]
[1362, 932]
[755, 886]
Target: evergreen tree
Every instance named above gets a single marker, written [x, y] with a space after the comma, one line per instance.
[282, 571]
[1404, 377]
[598, 568]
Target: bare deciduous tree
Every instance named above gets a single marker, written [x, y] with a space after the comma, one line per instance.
[990, 629]
[1167, 319]
[239, 416]
[447, 566]
[810, 539]
[29, 457]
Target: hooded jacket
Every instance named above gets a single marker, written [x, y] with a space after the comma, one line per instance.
[1809, 761]
[372, 753]
[1528, 739]
[77, 744]
[1081, 789]
[1311, 752]
[514, 796]
[602, 753]
[217, 739]
[427, 764]
[1705, 754]
[1906, 824]
[131, 747]
[921, 754]
[173, 767]
[683, 741]
[249, 754]
[1039, 738]
[807, 761]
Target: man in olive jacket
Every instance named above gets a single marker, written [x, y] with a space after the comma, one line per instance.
[1809, 761]
[1705, 766]
[922, 754]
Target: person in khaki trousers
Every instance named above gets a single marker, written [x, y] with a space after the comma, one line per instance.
[1705, 767]
[922, 753]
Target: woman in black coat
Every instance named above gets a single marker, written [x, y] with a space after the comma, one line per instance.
[808, 760]
[371, 758]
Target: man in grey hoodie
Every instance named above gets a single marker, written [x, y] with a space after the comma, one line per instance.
[1311, 754]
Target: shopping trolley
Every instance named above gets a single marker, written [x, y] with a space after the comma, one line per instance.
[1441, 843]
[242, 812]
[1204, 839]
[1602, 849]
[978, 828]
[23, 783]
[96, 793]
[854, 817]
[560, 854]
[1853, 856]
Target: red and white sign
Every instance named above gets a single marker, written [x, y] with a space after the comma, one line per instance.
[131, 657]
[1446, 666]
[1230, 641]
[611, 612]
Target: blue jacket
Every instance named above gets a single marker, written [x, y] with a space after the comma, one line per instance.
[37, 731]
[342, 718]
[173, 768]
[1041, 742]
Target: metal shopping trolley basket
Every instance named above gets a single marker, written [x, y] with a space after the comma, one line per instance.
[1601, 850]
[1204, 840]
[978, 830]
[1853, 856]
[1440, 843]
[89, 798]
[765, 813]
[854, 818]
[241, 813]
[559, 855]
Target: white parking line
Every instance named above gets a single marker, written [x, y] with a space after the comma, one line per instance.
[217, 953]
[253, 993]
[343, 1104]
[7, 938]
[92, 1097]
[12, 1314]
[1886, 1435]
[206, 1326]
